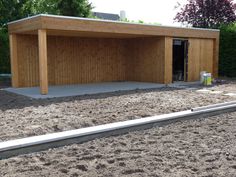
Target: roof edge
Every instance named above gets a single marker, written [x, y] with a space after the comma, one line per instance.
[24, 19]
[110, 21]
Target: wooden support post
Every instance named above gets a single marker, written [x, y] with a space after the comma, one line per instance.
[216, 58]
[168, 60]
[43, 67]
[14, 60]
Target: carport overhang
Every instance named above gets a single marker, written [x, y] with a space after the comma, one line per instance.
[74, 26]
[44, 25]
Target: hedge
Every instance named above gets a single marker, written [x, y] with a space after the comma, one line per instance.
[227, 58]
[4, 52]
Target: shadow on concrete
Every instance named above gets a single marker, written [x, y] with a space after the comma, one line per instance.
[5, 82]
[14, 101]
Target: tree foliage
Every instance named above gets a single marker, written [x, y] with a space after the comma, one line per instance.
[227, 63]
[207, 13]
[81, 8]
[11, 10]
[42, 7]
[4, 52]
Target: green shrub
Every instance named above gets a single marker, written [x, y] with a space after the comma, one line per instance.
[4, 52]
[227, 62]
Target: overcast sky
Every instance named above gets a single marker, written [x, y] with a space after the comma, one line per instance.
[159, 11]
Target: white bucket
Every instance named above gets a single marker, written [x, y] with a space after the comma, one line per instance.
[202, 76]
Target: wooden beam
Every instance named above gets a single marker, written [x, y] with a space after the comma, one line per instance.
[216, 57]
[31, 24]
[58, 25]
[43, 66]
[14, 60]
[168, 60]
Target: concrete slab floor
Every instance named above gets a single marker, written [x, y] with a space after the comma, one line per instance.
[83, 89]
[181, 84]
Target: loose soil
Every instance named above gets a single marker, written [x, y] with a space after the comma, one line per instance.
[196, 148]
[22, 117]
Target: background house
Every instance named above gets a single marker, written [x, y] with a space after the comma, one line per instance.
[109, 16]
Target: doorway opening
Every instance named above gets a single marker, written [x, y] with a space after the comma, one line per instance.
[180, 60]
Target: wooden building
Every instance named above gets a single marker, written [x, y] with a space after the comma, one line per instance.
[57, 50]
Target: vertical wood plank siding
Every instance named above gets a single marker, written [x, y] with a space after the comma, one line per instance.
[168, 60]
[73, 60]
[200, 57]
[85, 60]
[14, 60]
[146, 59]
[28, 60]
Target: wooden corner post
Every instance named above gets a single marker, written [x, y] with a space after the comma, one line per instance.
[168, 60]
[43, 66]
[14, 60]
[216, 58]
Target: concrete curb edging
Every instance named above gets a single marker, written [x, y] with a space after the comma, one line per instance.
[213, 106]
[43, 142]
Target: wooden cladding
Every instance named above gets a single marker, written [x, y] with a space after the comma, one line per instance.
[28, 60]
[74, 60]
[201, 57]
[150, 60]
[87, 60]
[55, 50]
[146, 60]
[14, 61]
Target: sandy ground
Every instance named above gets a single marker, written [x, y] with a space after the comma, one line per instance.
[201, 148]
[22, 117]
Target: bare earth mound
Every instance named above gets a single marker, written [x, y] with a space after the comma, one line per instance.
[23, 117]
[190, 148]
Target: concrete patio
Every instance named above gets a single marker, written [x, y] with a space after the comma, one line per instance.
[83, 89]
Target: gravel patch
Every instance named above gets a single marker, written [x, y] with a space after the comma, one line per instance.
[201, 148]
[22, 117]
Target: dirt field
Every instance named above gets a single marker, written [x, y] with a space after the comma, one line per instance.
[201, 148]
[23, 117]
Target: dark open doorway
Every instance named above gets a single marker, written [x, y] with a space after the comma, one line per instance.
[180, 60]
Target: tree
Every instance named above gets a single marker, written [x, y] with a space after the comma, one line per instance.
[207, 13]
[80, 8]
[12, 10]
[4, 52]
[227, 62]
[42, 7]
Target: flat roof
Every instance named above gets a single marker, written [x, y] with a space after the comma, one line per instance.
[76, 26]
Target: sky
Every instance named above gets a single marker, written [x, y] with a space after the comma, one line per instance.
[149, 11]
